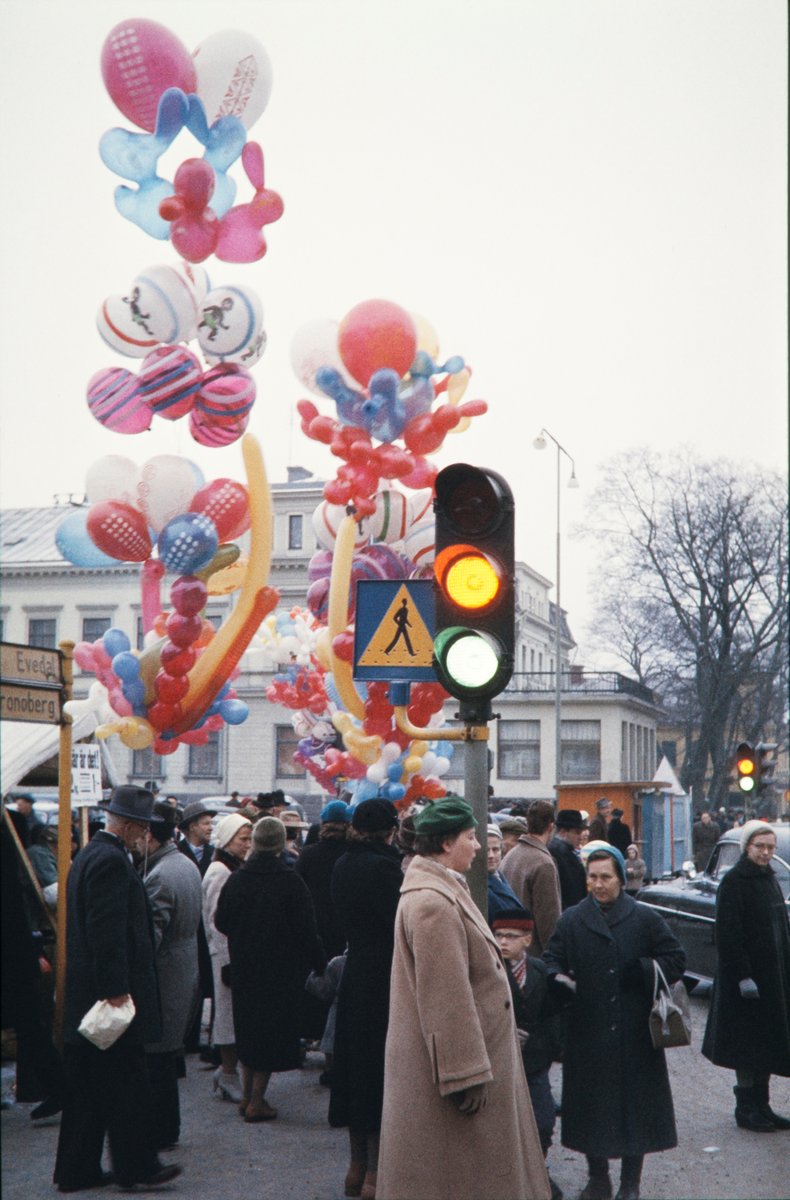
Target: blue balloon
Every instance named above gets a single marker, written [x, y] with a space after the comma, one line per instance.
[394, 772]
[384, 415]
[221, 695]
[395, 791]
[188, 543]
[200, 478]
[445, 749]
[349, 402]
[235, 712]
[125, 665]
[74, 543]
[116, 642]
[134, 691]
[224, 142]
[213, 711]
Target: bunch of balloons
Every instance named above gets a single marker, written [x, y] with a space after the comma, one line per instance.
[217, 93]
[165, 306]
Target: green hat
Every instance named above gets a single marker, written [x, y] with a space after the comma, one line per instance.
[451, 814]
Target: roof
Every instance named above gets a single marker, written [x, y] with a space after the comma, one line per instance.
[27, 535]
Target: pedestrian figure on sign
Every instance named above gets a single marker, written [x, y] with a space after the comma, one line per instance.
[403, 623]
[139, 318]
[212, 317]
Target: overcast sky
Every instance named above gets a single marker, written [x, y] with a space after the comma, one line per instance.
[586, 199]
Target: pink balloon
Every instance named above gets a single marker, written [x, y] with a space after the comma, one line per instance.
[100, 655]
[119, 703]
[214, 723]
[151, 592]
[83, 656]
[141, 59]
[194, 227]
[215, 435]
[241, 237]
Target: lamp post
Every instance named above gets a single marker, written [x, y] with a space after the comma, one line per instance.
[540, 443]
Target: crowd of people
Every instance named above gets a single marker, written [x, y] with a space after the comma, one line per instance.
[439, 1027]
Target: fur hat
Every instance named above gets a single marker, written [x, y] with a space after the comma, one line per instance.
[268, 836]
[751, 829]
[514, 918]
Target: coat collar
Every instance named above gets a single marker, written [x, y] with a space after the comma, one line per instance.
[589, 912]
[265, 864]
[424, 873]
[534, 843]
[158, 855]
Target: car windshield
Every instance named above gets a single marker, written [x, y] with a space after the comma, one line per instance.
[729, 853]
[782, 874]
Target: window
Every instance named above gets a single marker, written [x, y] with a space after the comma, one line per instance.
[2, 628]
[532, 660]
[540, 662]
[215, 619]
[147, 765]
[94, 627]
[669, 750]
[204, 760]
[519, 750]
[581, 750]
[729, 853]
[42, 633]
[295, 532]
[140, 634]
[285, 747]
[456, 770]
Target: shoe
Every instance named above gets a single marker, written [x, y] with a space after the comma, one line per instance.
[163, 1175]
[227, 1087]
[105, 1179]
[264, 1113]
[627, 1191]
[48, 1108]
[355, 1177]
[369, 1186]
[556, 1190]
[599, 1185]
[763, 1095]
[748, 1114]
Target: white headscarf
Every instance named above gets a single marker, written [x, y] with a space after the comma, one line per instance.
[227, 829]
[750, 829]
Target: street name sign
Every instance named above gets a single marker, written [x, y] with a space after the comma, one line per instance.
[393, 630]
[30, 684]
[19, 703]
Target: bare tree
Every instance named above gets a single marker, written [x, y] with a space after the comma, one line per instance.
[692, 591]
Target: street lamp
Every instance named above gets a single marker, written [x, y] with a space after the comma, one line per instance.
[540, 443]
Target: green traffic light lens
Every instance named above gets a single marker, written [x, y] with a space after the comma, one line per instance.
[469, 659]
[746, 784]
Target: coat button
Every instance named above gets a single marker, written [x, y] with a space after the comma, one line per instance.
[499, 966]
[613, 1028]
[611, 970]
[507, 1004]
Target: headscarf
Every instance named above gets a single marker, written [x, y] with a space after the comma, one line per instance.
[619, 861]
[227, 829]
[751, 829]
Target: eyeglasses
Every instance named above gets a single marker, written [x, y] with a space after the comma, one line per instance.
[508, 937]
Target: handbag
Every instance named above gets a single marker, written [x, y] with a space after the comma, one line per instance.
[670, 1016]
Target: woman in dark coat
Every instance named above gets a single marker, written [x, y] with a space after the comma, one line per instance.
[748, 1026]
[600, 958]
[365, 891]
[315, 866]
[267, 914]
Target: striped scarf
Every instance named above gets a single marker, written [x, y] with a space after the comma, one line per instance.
[520, 972]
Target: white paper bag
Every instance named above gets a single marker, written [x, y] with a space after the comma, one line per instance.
[104, 1023]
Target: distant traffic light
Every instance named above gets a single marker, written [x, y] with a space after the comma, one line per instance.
[748, 764]
[766, 766]
[474, 582]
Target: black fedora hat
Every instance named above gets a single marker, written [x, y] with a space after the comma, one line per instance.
[131, 801]
[570, 818]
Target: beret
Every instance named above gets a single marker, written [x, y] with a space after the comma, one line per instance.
[373, 815]
[335, 810]
[451, 814]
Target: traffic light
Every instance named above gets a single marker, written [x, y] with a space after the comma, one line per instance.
[748, 763]
[766, 766]
[474, 584]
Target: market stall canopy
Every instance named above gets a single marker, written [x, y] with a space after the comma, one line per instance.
[26, 744]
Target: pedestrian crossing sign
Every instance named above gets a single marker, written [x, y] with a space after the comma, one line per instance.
[393, 631]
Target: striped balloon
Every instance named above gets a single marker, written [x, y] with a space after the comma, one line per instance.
[169, 380]
[115, 401]
[209, 434]
[226, 394]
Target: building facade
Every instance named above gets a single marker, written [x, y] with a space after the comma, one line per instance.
[608, 721]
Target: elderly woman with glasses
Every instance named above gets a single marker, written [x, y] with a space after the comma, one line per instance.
[600, 963]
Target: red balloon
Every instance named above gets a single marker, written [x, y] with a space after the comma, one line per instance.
[422, 475]
[170, 689]
[227, 503]
[177, 660]
[164, 716]
[141, 59]
[375, 334]
[119, 530]
[169, 747]
[343, 646]
[183, 631]
[188, 595]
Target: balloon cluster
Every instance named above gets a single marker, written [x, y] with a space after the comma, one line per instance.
[217, 93]
[164, 306]
[192, 523]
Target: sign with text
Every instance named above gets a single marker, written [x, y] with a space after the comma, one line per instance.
[85, 776]
[393, 630]
[20, 703]
[30, 664]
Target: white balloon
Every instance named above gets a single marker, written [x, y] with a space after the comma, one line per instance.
[390, 752]
[390, 520]
[377, 773]
[441, 766]
[230, 326]
[428, 763]
[113, 477]
[326, 522]
[234, 76]
[314, 345]
[165, 489]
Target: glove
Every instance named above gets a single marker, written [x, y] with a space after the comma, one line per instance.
[632, 977]
[523, 1037]
[471, 1100]
[749, 989]
[561, 988]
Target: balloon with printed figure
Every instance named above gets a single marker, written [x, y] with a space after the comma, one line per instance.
[159, 307]
[75, 543]
[230, 328]
[165, 489]
[233, 76]
[140, 60]
[115, 400]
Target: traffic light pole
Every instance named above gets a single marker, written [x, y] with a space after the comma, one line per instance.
[476, 795]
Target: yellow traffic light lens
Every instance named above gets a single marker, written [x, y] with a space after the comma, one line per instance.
[746, 784]
[746, 766]
[471, 582]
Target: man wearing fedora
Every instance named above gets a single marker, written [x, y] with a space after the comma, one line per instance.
[196, 825]
[110, 956]
[564, 847]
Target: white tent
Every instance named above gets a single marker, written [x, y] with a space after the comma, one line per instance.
[666, 775]
[26, 744]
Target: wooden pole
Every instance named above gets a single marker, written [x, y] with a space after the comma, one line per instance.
[64, 842]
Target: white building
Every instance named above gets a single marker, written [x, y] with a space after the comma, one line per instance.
[609, 721]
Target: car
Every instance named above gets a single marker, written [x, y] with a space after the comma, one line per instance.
[688, 903]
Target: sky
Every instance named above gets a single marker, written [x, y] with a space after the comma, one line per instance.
[586, 198]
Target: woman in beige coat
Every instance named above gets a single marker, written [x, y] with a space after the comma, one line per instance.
[457, 1121]
[231, 839]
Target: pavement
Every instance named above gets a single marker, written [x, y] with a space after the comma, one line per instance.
[299, 1156]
